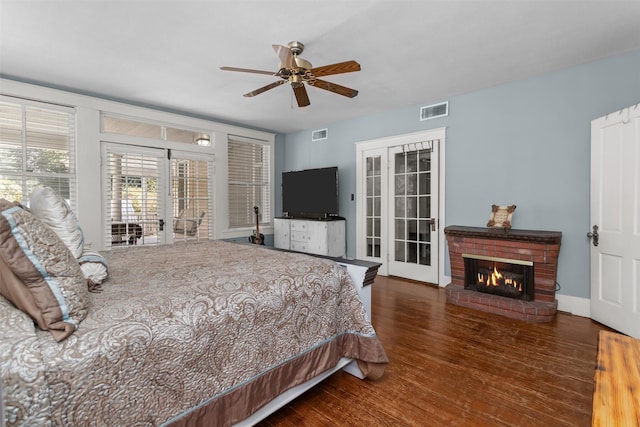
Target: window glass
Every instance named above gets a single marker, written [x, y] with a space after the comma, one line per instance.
[37, 147]
[191, 201]
[186, 136]
[131, 127]
[143, 129]
[249, 182]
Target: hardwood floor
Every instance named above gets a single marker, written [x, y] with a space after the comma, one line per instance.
[454, 366]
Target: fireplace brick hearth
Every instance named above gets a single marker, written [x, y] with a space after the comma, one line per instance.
[539, 247]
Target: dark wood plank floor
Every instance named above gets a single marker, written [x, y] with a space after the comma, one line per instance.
[453, 366]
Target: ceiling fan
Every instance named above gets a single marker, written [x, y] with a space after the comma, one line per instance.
[298, 71]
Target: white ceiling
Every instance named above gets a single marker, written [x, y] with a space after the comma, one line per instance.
[167, 54]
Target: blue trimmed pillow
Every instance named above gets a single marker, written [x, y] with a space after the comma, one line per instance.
[57, 289]
[94, 267]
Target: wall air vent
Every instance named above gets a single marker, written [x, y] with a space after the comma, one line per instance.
[434, 111]
[319, 135]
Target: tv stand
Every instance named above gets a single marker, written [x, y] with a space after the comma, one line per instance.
[313, 218]
[320, 237]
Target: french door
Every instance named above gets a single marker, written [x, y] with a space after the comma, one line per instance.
[153, 196]
[413, 236]
[398, 205]
[615, 220]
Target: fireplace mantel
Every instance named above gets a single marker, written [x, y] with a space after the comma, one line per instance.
[537, 236]
[536, 246]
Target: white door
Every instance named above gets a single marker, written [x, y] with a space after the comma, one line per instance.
[371, 209]
[134, 189]
[150, 199]
[191, 179]
[398, 207]
[615, 220]
[412, 214]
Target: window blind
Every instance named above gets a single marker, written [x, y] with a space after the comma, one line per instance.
[191, 183]
[134, 183]
[249, 181]
[37, 148]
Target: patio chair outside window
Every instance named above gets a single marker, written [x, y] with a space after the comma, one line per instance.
[188, 221]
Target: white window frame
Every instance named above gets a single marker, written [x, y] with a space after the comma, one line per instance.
[266, 189]
[71, 175]
[89, 136]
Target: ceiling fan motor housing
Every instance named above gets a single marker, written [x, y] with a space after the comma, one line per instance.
[296, 47]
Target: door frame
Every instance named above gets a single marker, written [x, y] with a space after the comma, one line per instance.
[386, 143]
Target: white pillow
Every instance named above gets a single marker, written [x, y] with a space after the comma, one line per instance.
[94, 267]
[54, 211]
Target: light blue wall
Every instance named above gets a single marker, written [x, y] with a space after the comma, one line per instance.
[525, 143]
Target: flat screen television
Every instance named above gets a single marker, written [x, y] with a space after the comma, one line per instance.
[310, 193]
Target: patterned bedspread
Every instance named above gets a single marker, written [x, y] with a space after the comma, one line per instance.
[209, 330]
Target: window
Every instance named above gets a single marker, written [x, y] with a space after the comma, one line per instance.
[135, 127]
[249, 181]
[37, 147]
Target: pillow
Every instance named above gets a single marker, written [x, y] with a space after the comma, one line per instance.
[12, 288]
[57, 297]
[94, 267]
[54, 211]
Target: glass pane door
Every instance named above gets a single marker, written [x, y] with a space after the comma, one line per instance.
[190, 197]
[371, 209]
[134, 182]
[373, 203]
[413, 231]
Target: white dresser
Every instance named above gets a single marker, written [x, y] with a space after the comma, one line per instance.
[311, 236]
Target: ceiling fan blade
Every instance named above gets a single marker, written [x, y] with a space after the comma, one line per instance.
[339, 68]
[286, 57]
[248, 70]
[265, 88]
[335, 88]
[301, 95]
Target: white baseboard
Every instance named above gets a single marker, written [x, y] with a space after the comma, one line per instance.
[574, 305]
[444, 281]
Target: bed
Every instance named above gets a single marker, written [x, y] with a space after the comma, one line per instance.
[193, 334]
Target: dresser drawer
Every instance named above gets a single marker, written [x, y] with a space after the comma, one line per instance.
[299, 236]
[299, 225]
[299, 246]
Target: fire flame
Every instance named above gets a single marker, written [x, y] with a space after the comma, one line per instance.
[494, 279]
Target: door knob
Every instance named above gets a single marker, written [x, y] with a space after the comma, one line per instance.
[594, 235]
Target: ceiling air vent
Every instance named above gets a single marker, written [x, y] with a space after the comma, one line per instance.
[319, 135]
[434, 111]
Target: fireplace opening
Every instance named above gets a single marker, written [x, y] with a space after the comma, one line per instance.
[499, 276]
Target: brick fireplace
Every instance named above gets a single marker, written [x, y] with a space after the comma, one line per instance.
[536, 249]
